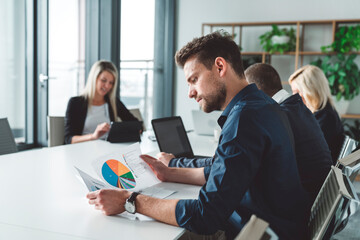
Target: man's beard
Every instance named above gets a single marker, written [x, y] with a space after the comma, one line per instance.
[215, 101]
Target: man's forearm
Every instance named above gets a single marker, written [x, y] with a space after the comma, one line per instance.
[162, 210]
[193, 176]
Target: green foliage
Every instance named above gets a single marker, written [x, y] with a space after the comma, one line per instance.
[353, 130]
[347, 39]
[269, 46]
[343, 75]
[340, 69]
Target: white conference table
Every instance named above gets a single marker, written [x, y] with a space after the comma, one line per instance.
[43, 198]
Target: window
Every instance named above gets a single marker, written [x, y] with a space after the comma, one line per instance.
[13, 65]
[137, 55]
[66, 53]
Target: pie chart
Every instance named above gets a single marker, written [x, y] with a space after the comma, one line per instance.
[117, 174]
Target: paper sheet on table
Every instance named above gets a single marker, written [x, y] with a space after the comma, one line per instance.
[125, 170]
[94, 184]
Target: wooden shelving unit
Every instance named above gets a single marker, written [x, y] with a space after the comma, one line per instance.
[300, 32]
[351, 116]
[299, 53]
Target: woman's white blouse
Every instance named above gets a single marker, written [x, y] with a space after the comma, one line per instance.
[95, 116]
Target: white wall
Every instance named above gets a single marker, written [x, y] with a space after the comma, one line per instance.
[191, 14]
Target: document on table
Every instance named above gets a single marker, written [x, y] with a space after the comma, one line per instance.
[124, 170]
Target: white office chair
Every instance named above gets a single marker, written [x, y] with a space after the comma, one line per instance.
[56, 127]
[136, 112]
[348, 146]
[256, 229]
[331, 205]
[7, 141]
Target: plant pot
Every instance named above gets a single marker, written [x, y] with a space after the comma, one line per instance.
[341, 105]
[280, 39]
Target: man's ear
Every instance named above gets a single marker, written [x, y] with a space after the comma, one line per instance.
[221, 66]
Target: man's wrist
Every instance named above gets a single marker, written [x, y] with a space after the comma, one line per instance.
[169, 175]
[91, 136]
[130, 203]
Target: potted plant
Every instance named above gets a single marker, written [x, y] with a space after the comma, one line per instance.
[340, 69]
[278, 40]
[347, 39]
[343, 75]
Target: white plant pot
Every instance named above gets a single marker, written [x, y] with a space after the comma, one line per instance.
[280, 39]
[341, 105]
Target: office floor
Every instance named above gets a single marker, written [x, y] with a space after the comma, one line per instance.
[352, 229]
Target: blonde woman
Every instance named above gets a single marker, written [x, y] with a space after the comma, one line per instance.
[313, 87]
[88, 116]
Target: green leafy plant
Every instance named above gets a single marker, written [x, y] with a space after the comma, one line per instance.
[347, 39]
[340, 69]
[342, 73]
[267, 43]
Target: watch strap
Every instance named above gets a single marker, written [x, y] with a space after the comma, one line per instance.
[133, 197]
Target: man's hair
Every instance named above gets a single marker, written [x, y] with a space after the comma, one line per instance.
[265, 77]
[208, 48]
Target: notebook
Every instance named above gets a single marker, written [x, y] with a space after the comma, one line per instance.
[172, 137]
[128, 131]
[205, 123]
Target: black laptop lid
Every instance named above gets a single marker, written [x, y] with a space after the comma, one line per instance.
[171, 136]
[128, 131]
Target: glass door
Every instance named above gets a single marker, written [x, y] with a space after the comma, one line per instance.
[60, 58]
[41, 87]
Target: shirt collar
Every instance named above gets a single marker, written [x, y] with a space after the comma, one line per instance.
[280, 96]
[238, 97]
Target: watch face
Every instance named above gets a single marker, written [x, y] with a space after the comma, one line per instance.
[130, 207]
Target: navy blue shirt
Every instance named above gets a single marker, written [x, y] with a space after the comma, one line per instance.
[184, 162]
[253, 172]
[311, 150]
[332, 128]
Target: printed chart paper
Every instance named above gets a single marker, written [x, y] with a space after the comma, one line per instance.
[124, 170]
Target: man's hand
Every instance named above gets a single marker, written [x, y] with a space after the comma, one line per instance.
[100, 130]
[159, 168]
[165, 157]
[109, 201]
[170, 174]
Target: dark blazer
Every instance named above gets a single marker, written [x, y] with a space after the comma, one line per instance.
[312, 152]
[332, 128]
[76, 114]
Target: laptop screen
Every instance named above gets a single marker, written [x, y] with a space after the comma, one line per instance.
[127, 131]
[171, 136]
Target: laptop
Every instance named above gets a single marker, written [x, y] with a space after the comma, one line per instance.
[128, 131]
[205, 123]
[172, 137]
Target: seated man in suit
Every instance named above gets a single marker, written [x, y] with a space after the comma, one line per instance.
[312, 152]
[254, 169]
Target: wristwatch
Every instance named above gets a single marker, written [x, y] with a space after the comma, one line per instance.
[130, 203]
